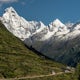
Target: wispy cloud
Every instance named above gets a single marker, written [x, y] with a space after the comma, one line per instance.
[7, 1]
[23, 3]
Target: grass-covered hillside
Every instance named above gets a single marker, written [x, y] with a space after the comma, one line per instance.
[18, 61]
[56, 77]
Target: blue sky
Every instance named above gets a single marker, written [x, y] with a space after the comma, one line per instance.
[45, 10]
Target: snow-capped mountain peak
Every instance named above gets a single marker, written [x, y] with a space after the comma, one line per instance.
[24, 29]
[33, 30]
[9, 12]
[76, 26]
[58, 27]
[10, 9]
[15, 24]
[19, 26]
[57, 23]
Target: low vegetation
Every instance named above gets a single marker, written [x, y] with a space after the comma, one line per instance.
[56, 77]
[18, 61]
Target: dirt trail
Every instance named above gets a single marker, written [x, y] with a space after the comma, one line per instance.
[35, 76]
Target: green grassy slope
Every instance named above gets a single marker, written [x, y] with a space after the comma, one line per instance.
[57, 77]
[16, 60]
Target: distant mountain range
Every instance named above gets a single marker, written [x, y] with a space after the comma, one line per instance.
[58, 41]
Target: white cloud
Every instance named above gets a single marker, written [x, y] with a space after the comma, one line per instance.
[23, 3]
[7, 1]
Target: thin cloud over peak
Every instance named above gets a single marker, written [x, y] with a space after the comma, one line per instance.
[7, 1]
[23, 3]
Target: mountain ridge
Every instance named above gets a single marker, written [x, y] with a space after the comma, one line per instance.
[50, 40]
